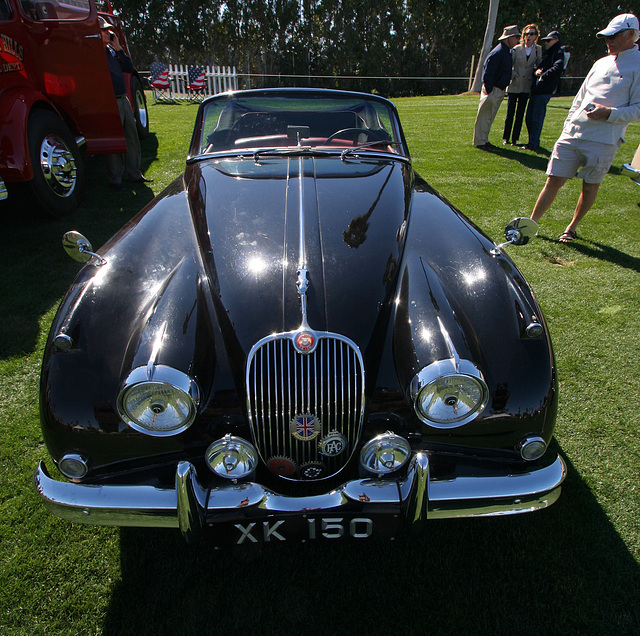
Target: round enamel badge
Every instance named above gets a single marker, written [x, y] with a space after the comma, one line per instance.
[281, 465]
[312, 470]
[332, 444]
[305, 427]
[305, 341]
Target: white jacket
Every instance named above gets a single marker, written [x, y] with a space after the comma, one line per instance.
[613, 81]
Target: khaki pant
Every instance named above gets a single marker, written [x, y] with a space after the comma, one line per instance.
[487, 111]
[116, 164]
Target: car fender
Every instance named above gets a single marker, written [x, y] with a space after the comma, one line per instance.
[478, 307]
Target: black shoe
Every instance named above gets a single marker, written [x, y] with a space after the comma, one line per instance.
[486, 146]
[529, 147]
[115, 186]
[141, 179]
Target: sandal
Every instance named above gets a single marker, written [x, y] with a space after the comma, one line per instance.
[567, 236]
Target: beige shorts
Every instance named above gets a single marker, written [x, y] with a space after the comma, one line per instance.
[592, 158]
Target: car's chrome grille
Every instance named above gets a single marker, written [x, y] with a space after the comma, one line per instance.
[321, 393]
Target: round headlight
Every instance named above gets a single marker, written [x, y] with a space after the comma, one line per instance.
[232, 457]
[163, 405]
[446, 394]
[385, 454]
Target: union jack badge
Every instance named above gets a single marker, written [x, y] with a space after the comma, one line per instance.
[305, 427]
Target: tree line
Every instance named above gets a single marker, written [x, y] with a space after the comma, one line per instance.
[332, 39]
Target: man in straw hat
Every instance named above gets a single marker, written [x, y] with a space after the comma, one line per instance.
[607, 102]
[496, 76]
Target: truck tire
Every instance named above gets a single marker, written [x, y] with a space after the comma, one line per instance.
[140, 111]
[58, 168]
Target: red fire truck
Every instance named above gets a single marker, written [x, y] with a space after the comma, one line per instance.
[57, 100]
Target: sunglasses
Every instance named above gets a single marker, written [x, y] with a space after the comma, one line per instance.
[531, 34]
[615, 35]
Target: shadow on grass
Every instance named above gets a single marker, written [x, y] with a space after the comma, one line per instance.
[603, 252]
[534, 161]
[561, 570]
[36, 271]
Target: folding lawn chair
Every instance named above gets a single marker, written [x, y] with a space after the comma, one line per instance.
[160, 81]
[197, 83]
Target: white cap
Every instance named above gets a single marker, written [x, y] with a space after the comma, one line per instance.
[621, 22]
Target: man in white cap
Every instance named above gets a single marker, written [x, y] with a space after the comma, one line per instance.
[607, 102]
[496, 76]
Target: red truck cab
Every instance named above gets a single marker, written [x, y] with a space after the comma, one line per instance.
[56, 99]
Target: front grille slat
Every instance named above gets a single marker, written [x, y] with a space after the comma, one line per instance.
[326, 385]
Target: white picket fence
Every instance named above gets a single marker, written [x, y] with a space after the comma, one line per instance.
[218, 79]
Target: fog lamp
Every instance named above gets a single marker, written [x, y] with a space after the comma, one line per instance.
[73, 466]
[232, 457]
[531, 447]
[385, 454]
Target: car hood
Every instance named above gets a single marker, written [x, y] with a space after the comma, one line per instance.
[265, 221]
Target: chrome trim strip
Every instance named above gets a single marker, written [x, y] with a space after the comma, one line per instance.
[368, 156]
[189, 505]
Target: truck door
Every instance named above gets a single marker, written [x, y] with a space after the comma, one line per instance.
[70, 67]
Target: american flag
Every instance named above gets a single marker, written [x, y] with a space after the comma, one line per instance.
[196, 78]
[159, 75]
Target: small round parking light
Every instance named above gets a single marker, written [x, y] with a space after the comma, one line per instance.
[73, 466]
[532, 447]
[232, 457]
[385, 454]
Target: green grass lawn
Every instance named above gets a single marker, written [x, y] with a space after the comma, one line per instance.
[571, 569]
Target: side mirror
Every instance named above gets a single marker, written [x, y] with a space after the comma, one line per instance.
[518, 232]
[79, 248]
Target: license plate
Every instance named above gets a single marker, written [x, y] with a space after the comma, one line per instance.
[303, 528]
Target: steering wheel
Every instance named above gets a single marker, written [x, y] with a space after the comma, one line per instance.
[346, 131]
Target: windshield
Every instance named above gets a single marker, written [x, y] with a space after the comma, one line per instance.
[319, 120]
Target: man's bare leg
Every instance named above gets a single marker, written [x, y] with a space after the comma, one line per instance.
[547, 196]
[585, 202]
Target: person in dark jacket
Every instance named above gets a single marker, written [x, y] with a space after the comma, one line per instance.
[545, 84]
[119, 63]
[495, 79]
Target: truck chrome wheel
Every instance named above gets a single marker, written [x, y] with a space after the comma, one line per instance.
[58, 166]
[58, 170]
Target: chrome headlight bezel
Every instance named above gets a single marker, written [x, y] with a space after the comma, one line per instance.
[440, 378]
[161, 378]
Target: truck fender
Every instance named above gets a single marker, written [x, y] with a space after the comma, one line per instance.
[15, 108]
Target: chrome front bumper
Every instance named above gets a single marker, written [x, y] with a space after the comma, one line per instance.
[192, 508]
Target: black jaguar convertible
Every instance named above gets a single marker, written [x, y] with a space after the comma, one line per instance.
[299, 339]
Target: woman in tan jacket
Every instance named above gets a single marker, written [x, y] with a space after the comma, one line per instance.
[526, 57]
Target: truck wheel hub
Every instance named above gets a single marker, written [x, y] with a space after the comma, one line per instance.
[58, 165]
